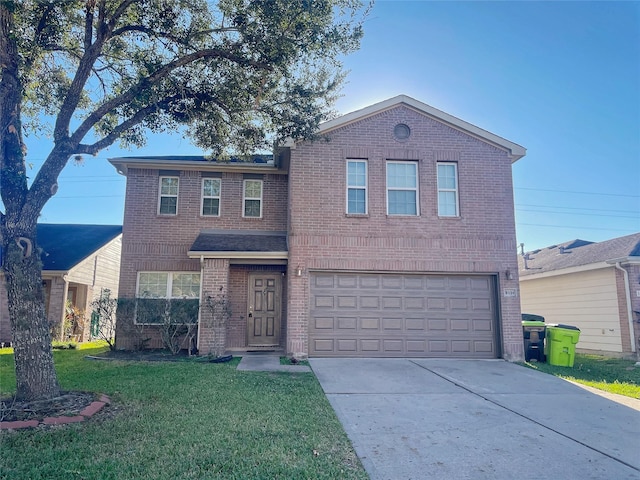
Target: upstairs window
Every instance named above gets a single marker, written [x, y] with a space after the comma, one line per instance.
[402, 188]
[211, 197]
[168, 201]
[252, 199]
[357, 186]
[448, 190]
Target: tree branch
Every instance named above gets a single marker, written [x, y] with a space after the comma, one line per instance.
[153, 79]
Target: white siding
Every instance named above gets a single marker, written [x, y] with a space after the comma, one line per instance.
[587, 300]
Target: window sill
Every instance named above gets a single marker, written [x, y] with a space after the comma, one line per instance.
[458, 217]
[356, 215]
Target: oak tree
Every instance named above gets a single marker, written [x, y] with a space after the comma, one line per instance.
[243, 75]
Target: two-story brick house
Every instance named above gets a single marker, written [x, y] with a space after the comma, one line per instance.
[395, 236]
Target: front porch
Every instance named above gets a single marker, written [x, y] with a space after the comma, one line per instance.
[245, 271]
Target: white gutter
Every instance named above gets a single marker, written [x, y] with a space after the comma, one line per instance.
[239, 255]
[627, 292]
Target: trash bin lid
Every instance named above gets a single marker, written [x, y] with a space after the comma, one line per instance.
[532, 317]
[531, 323]
[563, 326]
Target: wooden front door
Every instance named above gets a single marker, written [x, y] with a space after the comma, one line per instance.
[264, 309]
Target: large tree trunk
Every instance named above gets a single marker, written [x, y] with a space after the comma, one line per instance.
[35, 373]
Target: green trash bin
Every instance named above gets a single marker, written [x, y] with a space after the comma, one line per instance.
[560, 347]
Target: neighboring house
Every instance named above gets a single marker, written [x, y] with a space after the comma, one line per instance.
[394, 236]
[593, 286]
[77, 262]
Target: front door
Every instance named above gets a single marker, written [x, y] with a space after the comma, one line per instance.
[265, 294]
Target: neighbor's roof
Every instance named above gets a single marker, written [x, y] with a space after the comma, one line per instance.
[240, 244]
[578, 253]
[516, 151]
[65, 245]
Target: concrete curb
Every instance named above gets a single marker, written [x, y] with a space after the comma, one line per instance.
[86, 413]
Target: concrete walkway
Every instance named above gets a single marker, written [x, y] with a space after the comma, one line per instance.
[468, 419]
[268, 363]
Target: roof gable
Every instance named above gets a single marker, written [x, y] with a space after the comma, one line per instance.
[515, 151]
[65, 245]
[578, 253]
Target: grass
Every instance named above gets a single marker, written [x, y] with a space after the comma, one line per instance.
[614, 375]
[182, 420]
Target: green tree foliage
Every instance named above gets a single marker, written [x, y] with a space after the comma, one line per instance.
[242, 74]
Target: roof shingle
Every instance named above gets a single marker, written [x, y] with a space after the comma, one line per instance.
[577, 253]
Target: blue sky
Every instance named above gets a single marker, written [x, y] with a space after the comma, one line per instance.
[561, 79]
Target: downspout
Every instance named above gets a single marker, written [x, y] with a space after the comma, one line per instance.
[200, 306]
[627, 292]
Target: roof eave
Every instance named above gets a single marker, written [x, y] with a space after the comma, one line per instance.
[564, 271]
[515, 151]
[625, 260]
[122, 165]
[239, 255]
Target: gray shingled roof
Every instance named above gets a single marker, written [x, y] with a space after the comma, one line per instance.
[65, 245]
[240, 241]
[579, 252]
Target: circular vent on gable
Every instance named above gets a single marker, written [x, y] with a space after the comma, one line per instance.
[401, 131]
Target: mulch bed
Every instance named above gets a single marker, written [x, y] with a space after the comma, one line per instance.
[68, 404]
[145, 355]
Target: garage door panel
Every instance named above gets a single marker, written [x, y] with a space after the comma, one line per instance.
[481, 305]
[370, 323]
[391, 303]
[323, 323]
[347, 281]
[392, 282]
[460, 325]
[425, 315]
[323, 301]
[323, 281]
[350, 301]
[391, 324]
[435, 303]
[369, 303]
[414, 303]
[459, 304]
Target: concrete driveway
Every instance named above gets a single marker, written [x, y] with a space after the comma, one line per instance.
[477, 419]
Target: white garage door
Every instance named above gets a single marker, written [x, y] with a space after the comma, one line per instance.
[398, 315]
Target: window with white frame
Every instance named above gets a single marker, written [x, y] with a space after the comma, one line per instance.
[171, 297]
[168, 198]
[402, 188]
[448, 190]
[211, 197]
[168, 285]
[357, 186]
[252, 199]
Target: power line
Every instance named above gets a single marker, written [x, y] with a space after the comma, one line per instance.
[582, 214]
[579, 208]
[573, 226]
[579, 193]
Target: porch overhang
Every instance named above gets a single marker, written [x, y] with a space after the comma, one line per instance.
[241, 246]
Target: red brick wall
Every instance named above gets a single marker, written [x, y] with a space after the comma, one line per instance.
[153, 242]
[322, 236]
[160, 242]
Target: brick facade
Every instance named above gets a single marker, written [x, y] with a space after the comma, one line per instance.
[323, 237]
[309, 204]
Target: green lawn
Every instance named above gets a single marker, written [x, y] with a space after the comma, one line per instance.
[612, 375]
[183, 420]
